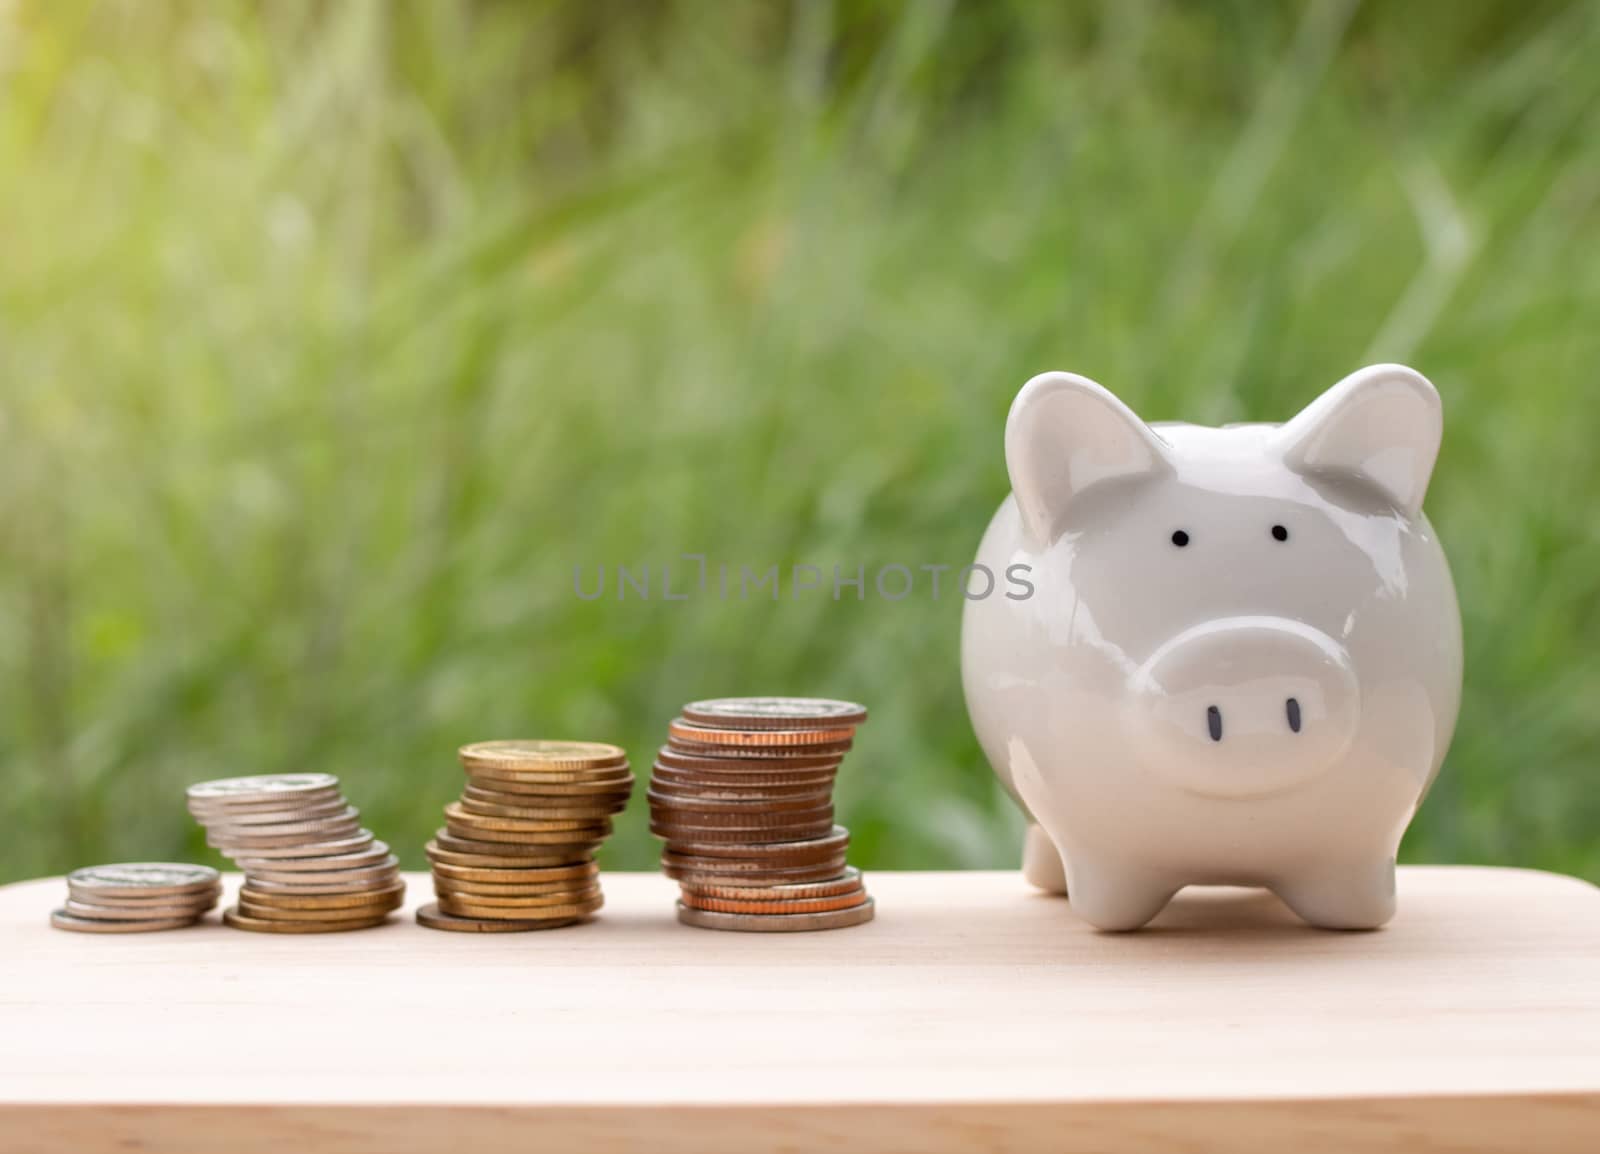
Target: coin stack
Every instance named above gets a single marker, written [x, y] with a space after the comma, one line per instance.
[309, 867]
[136, 897]
[743, 795]
[517, 849]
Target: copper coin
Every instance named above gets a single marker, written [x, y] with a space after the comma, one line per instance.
[481, 852]
[476, 857]
[541, 755]
[776, 923]
[786, 906]
[434, 918]
[376, 853]
[679, 730]
[686, 837]
[759, 762]
[848, 881]
[62, 920]
[243, 921]
[146, 879]
[748, 817]
[775, 713]
[249, 894]
[471, 909]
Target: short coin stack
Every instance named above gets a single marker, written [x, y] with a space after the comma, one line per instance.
[743, 795]
[517, 849]
[135, 897]
[309, 867]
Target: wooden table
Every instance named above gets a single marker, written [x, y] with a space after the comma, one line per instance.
[973, 1014]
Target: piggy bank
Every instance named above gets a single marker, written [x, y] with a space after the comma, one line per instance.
[1230, 656]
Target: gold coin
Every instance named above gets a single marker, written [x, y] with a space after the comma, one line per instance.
[515, 875]
[474, 858]
[777, 923]
[277, 914]
[686, 731]
[579, 814]
[591, 836]
[244, 921]
[434, 918]
[521, 851]
[506, 791]
[542, 755]
[569, 897]
[278, 899]
[470, 909]
[62, 920]
[454, 813]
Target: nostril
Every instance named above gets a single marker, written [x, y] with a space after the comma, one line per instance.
[1293, 708]
[1214, 722]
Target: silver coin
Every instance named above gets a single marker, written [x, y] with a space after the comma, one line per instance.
[777, 923]
[195, 899]
[276, 815]
[62, 920]
[203, 807]
[103, 913]
[282, 784]
[377, 853]
[294, 823]
[231, 842]
[774, 712]
[358, 881]
[143, 879]
[312, 849]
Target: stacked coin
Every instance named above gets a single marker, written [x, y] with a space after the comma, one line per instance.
[743, 795]
[517, 850]
[309, 867]
[135, 897]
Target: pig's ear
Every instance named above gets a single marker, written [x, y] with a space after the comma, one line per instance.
[1065, 434]
[1382, 424]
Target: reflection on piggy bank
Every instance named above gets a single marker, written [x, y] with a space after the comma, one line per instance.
[1241, 662]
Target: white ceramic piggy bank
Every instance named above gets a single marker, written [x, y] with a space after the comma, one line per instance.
[1241, 660]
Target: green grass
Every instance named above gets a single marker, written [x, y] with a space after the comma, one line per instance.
[333, 336]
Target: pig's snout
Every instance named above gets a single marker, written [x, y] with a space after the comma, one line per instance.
[1244, 706]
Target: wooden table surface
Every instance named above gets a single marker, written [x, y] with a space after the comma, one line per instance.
[973, 1014]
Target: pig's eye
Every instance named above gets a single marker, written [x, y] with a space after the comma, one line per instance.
[1180, 538]
[1279, 533]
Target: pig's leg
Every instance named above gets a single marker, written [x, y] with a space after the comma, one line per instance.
[1113, 895]
[1041, 861]
[1349, 896]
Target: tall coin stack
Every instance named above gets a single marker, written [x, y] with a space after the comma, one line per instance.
[309, 867]
[517, 850]
[743, 795]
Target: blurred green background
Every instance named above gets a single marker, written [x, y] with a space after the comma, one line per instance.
[333, 336]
